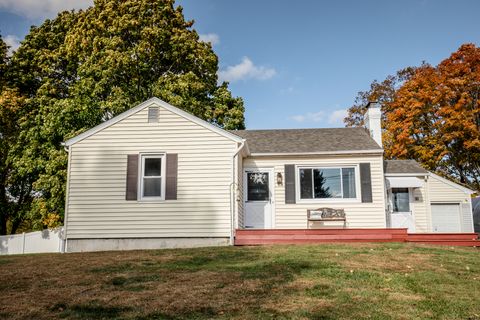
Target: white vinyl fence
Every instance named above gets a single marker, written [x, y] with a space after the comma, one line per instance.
[32, 242]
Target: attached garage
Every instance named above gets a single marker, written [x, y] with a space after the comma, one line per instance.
[446, 217]
[450, 205]
[424, 202]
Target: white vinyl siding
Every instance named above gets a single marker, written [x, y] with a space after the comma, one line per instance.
[466, 217]
[96, 199]
[359, 215]
[420, 209]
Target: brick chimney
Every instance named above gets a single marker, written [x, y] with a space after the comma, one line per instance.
[373, 122]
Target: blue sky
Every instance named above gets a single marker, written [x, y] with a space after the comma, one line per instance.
[300, 64]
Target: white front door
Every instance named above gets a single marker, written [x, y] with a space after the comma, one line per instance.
[401, 215]
[258, 196]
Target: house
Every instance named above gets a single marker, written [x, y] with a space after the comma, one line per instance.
[156, 176]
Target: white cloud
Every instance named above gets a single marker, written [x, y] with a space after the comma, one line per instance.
[13, 42]
[309, 116]
[337, 116]
[333, 118]
[298, 118]
[213, 38]
[41, 9]
[245, 70]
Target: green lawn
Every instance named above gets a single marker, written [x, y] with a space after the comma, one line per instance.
[384, 281]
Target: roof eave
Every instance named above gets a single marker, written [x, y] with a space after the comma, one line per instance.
[342, 152]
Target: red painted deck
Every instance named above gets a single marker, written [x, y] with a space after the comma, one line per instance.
[310, 236]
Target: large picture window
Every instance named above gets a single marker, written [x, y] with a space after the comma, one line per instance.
[152, 176]
[324, 183]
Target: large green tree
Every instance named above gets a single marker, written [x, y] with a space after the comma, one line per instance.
[85, 67]
[3, 61]
[4, 141]
[15, 189]
[432, 114]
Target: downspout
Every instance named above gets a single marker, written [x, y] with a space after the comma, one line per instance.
[428, 206]
[233, 185]
[65, 220]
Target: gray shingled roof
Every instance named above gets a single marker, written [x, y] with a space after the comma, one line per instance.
[403, 166]
[308, 140]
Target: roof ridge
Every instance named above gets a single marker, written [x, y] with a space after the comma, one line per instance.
[299, 129]
[309, 140]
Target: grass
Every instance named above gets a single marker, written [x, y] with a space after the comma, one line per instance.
[361, 281]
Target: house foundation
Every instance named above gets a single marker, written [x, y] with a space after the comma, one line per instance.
[88, 245]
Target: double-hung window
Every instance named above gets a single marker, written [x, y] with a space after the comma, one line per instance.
[152, 177]
[326, 183]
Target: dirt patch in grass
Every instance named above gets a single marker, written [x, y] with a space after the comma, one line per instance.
[401, 296]
[302, 297]
[389, 261]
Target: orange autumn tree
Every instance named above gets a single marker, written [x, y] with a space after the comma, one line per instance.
[432, 115]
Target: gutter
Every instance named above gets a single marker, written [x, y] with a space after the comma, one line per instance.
[407, 174]
[233, 187]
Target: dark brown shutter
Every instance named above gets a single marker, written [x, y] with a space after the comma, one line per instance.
[171, 179]
[132, 177]
[289, 183]
[366, 182]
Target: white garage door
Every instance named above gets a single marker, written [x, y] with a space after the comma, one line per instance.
[446, 217]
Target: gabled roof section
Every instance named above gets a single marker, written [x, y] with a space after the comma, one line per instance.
[157, 102]
[453, 184]
[403, 167]
[309, 141]
[413, 168]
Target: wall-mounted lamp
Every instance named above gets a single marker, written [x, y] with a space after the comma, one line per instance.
[279, 179]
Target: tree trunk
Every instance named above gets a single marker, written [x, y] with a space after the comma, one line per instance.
[3, 221]
[15, 224]
[4, 205]
[3, 200]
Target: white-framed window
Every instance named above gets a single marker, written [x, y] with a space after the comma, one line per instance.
[322, 183]
[152, 177]
[400, 200]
